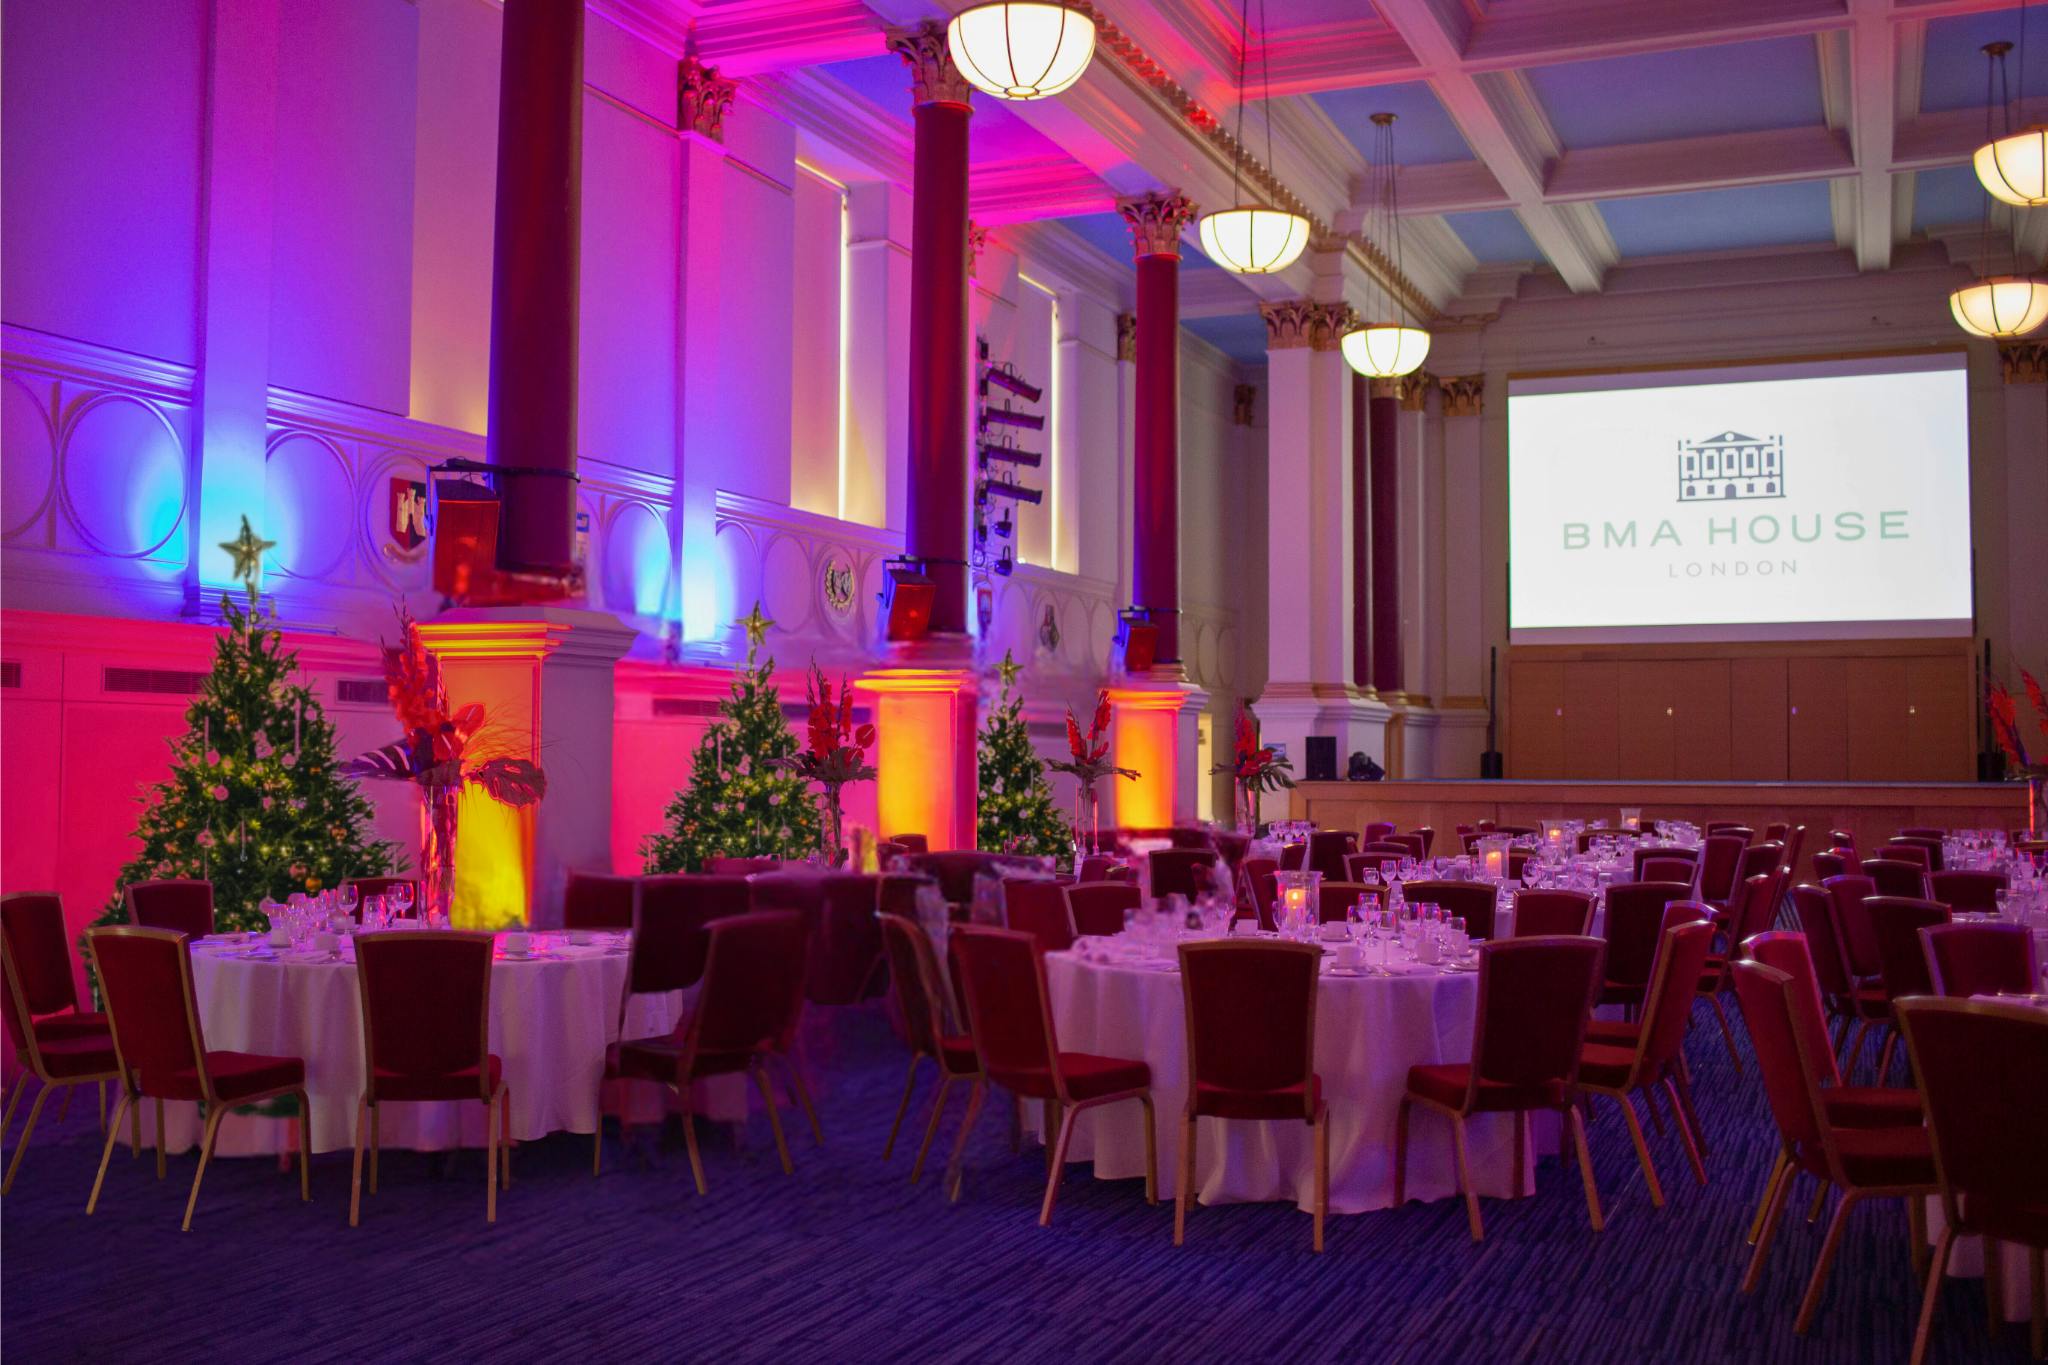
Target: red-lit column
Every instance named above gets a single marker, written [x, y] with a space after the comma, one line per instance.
[534, 282]
[1156, 221]
[1383, 456]
[937, 533]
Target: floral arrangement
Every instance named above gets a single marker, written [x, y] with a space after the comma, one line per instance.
[1089, 763]
[2005, 728]
[835, 750]
[433, 756]
[1253, 770]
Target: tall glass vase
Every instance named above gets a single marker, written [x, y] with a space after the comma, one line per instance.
[439, 806]
[2037, 805]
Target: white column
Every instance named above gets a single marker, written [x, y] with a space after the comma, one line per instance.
[235, 272]
[1088, 401]
[1461, 703]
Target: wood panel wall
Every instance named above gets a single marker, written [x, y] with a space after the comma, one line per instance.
[1848, 711]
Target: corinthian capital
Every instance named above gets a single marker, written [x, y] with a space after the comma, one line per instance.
[702, 97]
[1155, 220]
[1289, 323]
[933, 77]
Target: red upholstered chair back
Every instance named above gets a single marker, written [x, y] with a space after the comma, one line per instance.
[1835, 862]
[1842, 838]
[1784, 1058]
[898, 895]
[846, 942]
[1473, 900]
[1795, 844]
[1915, 848]
[1387, 848]
[1326, 850]
[1375, 830]
[1411, 842]
[1852, 922]
[1681, 959]
[183, 904]
[1785, 951]
[1667, 870]
[367, 887]
[1543, 914]
[1230, 982]
[1896, 921]
[956, 869]
[1635, 916]
[1364, 866]
[1644, 854]
[1291, 856]
[1249, 874]
[1518, 859]
[915, 843]
[914, 979]
[671, 919]
[753, 983]
[1095, 867]
[1980, 959]
[1777, 830]
[1755, 907]
[1961, 891]
[884, 851]
[1039, 908]
[802, 892]
[593, 900]
[1764, 856]
[1983, 1071]
[1098, 908]
[146, 980]
[1720, 862]
[1265, 888]
[1335, 899]
[1002, 980]
[1428, 837]
[1731, 827]
[1896, 877]
[1535, 995]
[32, 935]
[1816, 911]
[1905, 851]
[426, 1005]
[1181, 871]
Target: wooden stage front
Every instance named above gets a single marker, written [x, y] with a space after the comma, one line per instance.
[1873, 811]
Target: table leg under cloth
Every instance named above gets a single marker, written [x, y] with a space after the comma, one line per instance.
[1966, 1261]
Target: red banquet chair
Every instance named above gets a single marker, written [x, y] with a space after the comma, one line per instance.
[1239, 1073]
[1256, 886]
[1852, 921]
[844, 966]
[915, 843]
[1635, 922]
[427, 1036]
[672, 916]
[1902, 961]
[1656, 1056]
[1754, 907]
[1644, 853]
[1848, 1000]
[1326, 850]
[1182, 871]
[367, 887]
[1472, 900]
[1721, 864]
[1834, 862]
[1367, 865]
[1376, 830]
[1534, 997]
[1863, 1163]
[886, 853]
[1915, 848]
[1975, 892]
[1759, 858]
[1039, 908]
[751, 994]
[1730, 827]
[921, 994]
[1095, 868]
[1335, 899]
[1980, 959]
[1896, 877]
[1291, 856]
[160, 1050]
[1667, 870]
[1983, 1066]
[53, 1041]
[1098, 908]
[594, 900]
[1009, 1016]
[1546, 914]
[181, 904]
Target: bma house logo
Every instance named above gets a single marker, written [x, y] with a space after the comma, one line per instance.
[1731, 465]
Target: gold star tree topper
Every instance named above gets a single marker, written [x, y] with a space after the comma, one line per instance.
[756, 624]
[1008, 670]
[247, 550]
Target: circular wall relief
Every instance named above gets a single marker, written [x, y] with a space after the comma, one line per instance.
[787, 592]
[305, 484]
[636, 555]
[394, 488]
[124, 476]
[836, 586]
[31, 446]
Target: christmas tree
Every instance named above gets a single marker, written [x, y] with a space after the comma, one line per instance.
[741, 801]
[1017, 814]
[253, 802]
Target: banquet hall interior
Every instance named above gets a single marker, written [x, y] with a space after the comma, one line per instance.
[1056, 679]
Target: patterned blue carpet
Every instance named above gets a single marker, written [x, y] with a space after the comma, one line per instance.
[848, 1262]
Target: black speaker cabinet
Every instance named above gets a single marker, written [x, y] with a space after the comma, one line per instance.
[1322, 758]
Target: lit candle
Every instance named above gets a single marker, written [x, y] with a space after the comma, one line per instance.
[1494, 862]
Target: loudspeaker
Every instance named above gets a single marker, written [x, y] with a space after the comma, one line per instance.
[1492, 766]
[1137, 639]
[1990, 766]
[1322, 758]
[906, 601]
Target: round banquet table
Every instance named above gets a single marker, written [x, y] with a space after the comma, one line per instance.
[552, 1016]
[1369, 1031]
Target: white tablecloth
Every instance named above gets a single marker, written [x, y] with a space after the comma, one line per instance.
[1369, 1031]
[551, 1020]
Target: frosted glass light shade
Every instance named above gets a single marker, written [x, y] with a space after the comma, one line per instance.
[2015, 167]
[1253, 241]
[1021, 51]
[1385, 350]
[2001, 306]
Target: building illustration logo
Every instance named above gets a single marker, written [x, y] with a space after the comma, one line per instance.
[1731, 465]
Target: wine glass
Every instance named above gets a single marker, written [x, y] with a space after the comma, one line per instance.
[401, 895]
[351, 897]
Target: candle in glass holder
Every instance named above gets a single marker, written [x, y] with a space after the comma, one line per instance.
[1632, 819]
